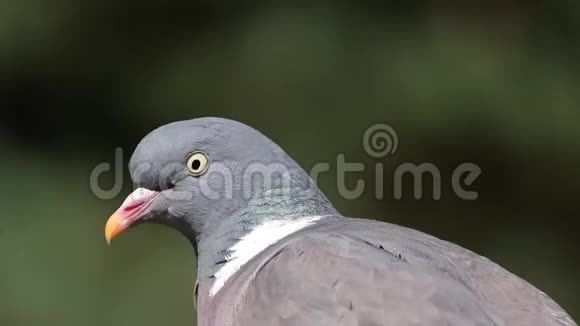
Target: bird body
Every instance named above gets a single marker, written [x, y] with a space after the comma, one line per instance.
[343, 271]
[277, 253]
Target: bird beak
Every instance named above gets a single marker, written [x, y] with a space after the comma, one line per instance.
[133, 209]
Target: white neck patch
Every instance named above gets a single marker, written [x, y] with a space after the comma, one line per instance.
[255, 242]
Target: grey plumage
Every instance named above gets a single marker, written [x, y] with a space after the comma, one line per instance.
[337, 271]
[362, 272]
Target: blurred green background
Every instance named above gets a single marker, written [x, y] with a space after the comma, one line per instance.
[496, 83]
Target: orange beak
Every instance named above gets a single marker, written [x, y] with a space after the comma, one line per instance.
[134, 208]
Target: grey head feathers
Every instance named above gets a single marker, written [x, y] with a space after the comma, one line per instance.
[249, 181]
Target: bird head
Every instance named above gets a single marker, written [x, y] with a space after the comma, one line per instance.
[193, 174]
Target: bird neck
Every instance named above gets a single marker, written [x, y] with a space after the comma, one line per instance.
[266, 219]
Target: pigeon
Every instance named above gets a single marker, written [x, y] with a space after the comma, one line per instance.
[273, 251]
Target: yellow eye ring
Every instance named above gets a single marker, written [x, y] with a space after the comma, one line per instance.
[196, 163]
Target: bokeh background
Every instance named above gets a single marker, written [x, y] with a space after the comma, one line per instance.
[496, 83]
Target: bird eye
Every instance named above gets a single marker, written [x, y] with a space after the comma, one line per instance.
[197, 163]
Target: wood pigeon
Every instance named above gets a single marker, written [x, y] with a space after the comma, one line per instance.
[273, 251]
